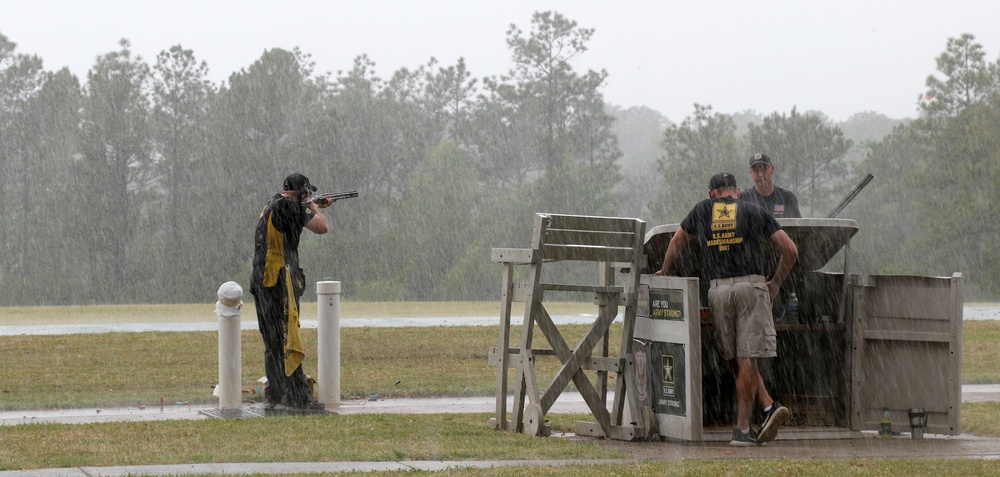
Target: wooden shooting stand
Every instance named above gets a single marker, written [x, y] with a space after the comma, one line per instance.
[613, 243]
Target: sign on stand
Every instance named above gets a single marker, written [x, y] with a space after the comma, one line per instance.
[668, 324]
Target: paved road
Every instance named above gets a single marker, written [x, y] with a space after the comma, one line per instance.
[568, 402]
[970, 313]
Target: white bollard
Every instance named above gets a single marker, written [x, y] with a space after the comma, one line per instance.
[328, 337]
[230, 347]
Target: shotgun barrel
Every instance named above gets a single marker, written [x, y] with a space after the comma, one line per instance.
[333, 195]
[850, 197]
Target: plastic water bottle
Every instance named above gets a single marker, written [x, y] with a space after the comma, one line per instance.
[885, 426]
[793, 308]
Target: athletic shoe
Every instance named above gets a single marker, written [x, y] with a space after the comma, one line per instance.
[773, 420]
[741, 439]
[315, 406]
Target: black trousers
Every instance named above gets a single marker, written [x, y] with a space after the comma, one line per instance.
[272, 320]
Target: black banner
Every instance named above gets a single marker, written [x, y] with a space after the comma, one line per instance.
[669, 378]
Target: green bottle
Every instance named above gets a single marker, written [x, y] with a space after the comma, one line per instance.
[885, 427]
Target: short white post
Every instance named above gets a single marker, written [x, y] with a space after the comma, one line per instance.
[230, 347]
[328, 336]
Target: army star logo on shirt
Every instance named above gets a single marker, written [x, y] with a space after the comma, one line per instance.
[724, 216]
[724, 226]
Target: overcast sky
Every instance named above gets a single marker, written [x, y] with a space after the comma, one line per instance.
[839, 57]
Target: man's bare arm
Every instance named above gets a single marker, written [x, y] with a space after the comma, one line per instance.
[318, 223]
[677, 243]
[789, 254]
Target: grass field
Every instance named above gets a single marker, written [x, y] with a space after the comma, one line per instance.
[186, 313]
[126, 369]
[432, 437]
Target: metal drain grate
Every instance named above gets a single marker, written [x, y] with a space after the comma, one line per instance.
[260, 412]
[232, 413]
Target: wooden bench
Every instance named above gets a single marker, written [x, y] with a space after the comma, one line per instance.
[614, 244]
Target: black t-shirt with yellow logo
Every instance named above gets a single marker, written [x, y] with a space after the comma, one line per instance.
[732, 235]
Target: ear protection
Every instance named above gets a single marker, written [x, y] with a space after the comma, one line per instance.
[306, 190]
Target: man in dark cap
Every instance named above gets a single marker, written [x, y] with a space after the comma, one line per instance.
[732, 234]
[782, 203]
[277, 283]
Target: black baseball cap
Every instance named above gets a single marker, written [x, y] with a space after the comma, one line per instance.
[760, 158]
[298, 182]
[722, 179]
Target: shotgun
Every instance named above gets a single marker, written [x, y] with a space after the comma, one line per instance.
[332, 195]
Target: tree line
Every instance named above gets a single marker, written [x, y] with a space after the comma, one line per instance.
[143, 182]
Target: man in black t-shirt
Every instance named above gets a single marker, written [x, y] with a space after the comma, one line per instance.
[780, 202]
[277, 283]
[732, 234]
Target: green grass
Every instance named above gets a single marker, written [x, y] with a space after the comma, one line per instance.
[126, 369]
[981, 418]
[724, 468]
[184, 313]
[369, 437]
[372, 437]
[981, 352]
[131, 369]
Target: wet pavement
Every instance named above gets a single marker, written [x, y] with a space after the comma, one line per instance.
[568, 402]
[970, 313]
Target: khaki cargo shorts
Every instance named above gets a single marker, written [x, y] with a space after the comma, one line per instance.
[741, 313]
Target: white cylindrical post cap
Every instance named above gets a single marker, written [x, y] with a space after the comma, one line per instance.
[230, 294]
[327, 288]
[230, 291]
